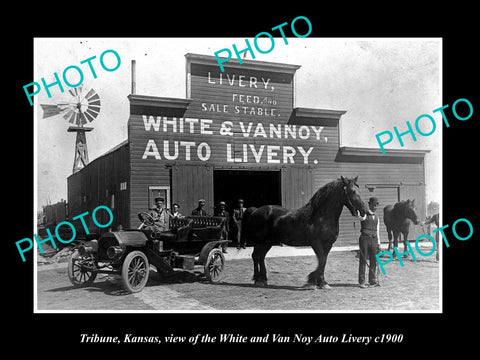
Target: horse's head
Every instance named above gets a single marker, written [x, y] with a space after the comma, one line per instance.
[410, 211]
[352, 199]
[431, 219]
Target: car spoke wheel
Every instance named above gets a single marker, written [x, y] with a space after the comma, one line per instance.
[81, 269]
[214, 266]
[135, 271]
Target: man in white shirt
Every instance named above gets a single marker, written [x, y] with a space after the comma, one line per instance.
[369, 244]
[160, 216]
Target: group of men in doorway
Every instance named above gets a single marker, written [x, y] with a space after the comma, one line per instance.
[369, 241]
[231, 229]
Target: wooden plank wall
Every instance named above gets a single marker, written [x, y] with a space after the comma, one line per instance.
[191, 183]
[297, 186]
[95, 185]
[55, 213]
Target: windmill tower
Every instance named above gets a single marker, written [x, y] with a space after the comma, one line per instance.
[81, 110]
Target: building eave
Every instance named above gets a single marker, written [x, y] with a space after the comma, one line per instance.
[235, 63]
[374, 155]
[311, 116]
[358, 151]
[156, 101]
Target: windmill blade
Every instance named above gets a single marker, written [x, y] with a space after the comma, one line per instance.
[94, 109]
[83, 119]
[94, 103]
[75, 118]
[89, 116]
[90, 93]
[93, 97]
[69, 116]
[92, 112]
[76, 92]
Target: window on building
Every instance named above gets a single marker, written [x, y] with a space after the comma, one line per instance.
[158, 191]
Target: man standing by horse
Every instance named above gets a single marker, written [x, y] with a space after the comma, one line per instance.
[369, 244]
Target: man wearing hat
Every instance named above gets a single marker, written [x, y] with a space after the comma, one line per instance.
[237, 217]
[221, 211]
[176, 212]
[160, 215]
[199, 210]
[369, 244]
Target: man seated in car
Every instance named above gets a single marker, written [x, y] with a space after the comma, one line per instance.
[160, 215]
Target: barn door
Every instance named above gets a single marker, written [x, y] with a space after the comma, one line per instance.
[191, 183]
[297, 186]
[416, 192]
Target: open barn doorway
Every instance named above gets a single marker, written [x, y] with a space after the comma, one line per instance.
[255, 187]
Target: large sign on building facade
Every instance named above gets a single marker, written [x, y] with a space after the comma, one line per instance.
[238, 116]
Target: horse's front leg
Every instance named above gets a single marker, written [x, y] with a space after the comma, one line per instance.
[256, 264]
[317, 277]
[395, 243]
[260, 270]
[405, 239]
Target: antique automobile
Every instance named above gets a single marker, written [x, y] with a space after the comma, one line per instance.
[190, 242]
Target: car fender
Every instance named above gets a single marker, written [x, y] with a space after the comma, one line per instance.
[202, 258]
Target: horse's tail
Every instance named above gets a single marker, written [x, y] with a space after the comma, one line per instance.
[387, 210]
[387, 221]
[244, 233]
[389, 233]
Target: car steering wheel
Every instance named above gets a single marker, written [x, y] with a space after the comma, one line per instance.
[146, 219]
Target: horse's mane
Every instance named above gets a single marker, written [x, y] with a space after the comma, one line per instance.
[400, 205]
[319, 199]
[321, 194]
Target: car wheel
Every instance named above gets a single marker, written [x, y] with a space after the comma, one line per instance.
[135, 271]
[81, 269]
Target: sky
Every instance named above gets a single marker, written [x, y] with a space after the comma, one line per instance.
[379, 82]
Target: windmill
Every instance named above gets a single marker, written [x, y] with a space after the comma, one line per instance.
[81, 110]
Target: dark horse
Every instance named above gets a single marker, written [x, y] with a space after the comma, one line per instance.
[314, 224]
[434, 219]
[397, 220]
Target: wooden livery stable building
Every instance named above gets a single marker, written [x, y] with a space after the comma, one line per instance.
[237, 135]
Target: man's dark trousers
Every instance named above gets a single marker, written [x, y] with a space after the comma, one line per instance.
[368, 249]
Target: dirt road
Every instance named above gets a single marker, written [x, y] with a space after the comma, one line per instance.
[412, 287]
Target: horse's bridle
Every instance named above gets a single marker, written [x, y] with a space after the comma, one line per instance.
[406, 217]
[348, 198]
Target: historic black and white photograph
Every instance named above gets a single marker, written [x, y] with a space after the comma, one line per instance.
[275, 174]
